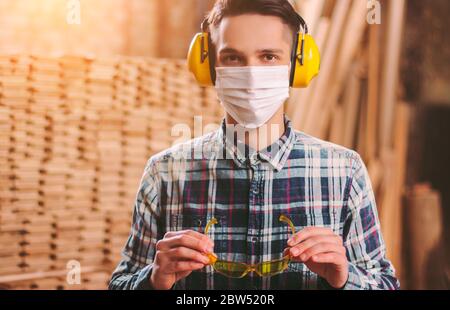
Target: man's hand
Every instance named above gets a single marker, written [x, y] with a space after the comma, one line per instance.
[177, 255]
[322, 252]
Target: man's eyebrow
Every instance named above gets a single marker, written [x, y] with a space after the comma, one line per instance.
[261, 51]
[229, 50]
[270, 51]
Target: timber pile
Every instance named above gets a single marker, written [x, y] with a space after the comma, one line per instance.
[355, 100]
[75, 136]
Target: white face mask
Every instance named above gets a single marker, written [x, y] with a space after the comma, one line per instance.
[252, 95]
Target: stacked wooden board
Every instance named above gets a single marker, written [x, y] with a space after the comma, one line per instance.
[356, 99]
[75, 136]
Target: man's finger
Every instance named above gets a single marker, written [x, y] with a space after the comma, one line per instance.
[187, 254]
[328, 258]
[308, 232]
[185, 240]
[318, 248]
[306, 244]
[191, 233]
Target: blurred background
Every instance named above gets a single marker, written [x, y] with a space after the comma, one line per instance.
[90, 89]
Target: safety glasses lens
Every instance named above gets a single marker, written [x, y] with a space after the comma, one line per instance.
[271, 268]
[231, 269]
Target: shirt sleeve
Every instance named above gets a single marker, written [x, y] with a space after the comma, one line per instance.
[368, 266]
[134, 270]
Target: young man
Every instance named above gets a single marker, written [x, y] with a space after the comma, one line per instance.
[246, 185]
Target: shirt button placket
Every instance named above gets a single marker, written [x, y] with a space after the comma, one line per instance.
[254, 213]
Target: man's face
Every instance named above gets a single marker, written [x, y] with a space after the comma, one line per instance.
[252, 40]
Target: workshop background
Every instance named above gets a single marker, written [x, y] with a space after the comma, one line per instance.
[90, 89]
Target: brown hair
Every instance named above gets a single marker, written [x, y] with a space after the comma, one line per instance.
[280, 8]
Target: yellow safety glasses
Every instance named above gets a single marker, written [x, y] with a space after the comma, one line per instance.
[240, 270]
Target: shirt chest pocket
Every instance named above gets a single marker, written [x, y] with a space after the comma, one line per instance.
[325, 219]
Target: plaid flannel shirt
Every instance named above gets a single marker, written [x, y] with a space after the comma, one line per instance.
[315, 183]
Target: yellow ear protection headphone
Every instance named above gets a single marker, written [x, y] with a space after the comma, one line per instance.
[305, 58]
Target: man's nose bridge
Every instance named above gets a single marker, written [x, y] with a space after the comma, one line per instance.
[252, 61]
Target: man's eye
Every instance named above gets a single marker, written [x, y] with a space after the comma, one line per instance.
[231, 58]
[270, 58]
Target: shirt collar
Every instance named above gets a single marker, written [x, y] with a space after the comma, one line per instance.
[275, 154]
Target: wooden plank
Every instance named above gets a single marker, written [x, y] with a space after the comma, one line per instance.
[375, 169]
[311, 10]
[385, 203]
[361, 126]
[351, 102]
[395, 20]
[337, 125]
[372, 92]
[392, 205]
[327, 66]
[351, 40]
[401, 149]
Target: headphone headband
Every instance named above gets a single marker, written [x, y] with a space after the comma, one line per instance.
[302, 23]
[204, 25]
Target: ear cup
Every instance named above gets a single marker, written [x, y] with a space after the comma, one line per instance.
[306, 61]
[201, 60]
